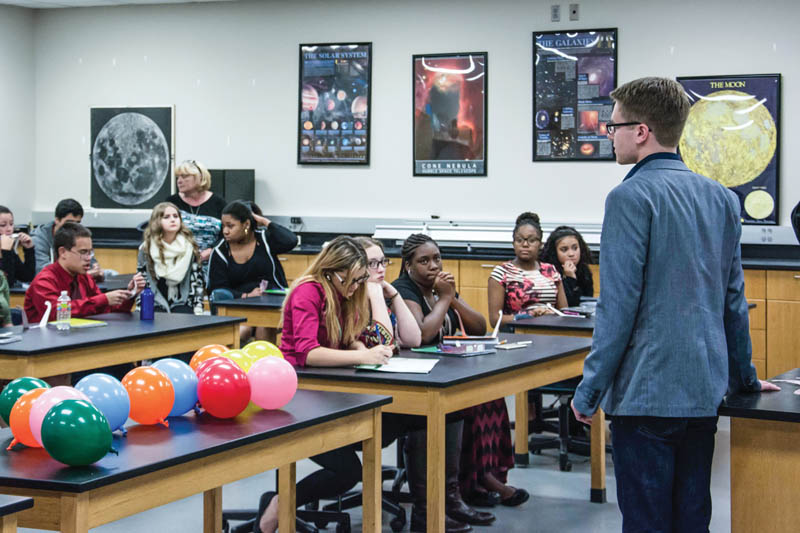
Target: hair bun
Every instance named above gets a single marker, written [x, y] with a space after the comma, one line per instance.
[527, 215]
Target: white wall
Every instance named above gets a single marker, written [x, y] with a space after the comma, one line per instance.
[231, 70]
[17, 111]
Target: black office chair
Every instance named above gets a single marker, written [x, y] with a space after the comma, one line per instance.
[571, 435]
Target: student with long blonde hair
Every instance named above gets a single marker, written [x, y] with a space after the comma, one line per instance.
[170, 261]
[324, 314]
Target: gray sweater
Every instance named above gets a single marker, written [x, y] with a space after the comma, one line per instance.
[190, 290]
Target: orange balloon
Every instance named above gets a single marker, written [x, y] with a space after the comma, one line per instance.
[19, 420]
[206, 352]
[151, 394]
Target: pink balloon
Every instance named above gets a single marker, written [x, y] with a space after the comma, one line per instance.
[273, 382]
[47, 401]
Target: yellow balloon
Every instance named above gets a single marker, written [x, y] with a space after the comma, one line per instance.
[259, 349]
[240, 358]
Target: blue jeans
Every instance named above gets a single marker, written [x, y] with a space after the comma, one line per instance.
[663, 471]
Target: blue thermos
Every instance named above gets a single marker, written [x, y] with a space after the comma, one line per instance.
[146, 304]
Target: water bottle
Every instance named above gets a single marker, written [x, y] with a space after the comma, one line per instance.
[63, 311]
[146, 303]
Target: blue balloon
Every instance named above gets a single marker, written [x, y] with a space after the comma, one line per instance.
[109, 396]
[184, 381]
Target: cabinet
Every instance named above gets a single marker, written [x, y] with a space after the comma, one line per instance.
[473, 284]
[294, 265]
[123, 260]
[783, 319]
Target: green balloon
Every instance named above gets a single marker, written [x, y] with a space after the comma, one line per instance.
[14, 390]
[76, 433]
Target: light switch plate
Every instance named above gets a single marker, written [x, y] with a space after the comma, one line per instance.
[555, 13]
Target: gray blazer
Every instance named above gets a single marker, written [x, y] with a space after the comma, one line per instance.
[671, 330]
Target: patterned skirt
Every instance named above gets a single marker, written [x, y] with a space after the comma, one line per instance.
[486, 447]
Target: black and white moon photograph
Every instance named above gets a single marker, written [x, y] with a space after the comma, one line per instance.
[131, 156]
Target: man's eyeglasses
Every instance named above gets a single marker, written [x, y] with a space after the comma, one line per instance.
[611, 127]
[356, 281]
[533, 241]
[85, 254]
[375, 263]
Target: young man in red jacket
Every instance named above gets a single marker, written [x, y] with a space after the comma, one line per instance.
[72, 245]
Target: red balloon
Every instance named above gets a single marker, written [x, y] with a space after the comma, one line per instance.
[223, 389]
[208, 363]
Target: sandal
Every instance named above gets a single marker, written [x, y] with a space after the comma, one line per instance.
[519, 497]
[263, 503]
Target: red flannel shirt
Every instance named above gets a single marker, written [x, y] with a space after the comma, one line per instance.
[48, 284]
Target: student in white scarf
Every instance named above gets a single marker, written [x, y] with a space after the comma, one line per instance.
[170, 262]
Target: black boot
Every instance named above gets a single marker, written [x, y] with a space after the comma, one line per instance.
[416, 467]
[454, 505]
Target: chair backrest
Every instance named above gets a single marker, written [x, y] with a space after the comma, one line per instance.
[796, 220]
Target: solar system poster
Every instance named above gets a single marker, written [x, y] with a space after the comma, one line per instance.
[335, 83]
[732, 136]
[131, 156]
[450, 114]
[573, 76]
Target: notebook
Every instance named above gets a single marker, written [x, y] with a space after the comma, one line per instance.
[403, 365]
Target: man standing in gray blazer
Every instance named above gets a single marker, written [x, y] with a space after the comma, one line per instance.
[672, 331]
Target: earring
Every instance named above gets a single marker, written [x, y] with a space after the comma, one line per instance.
[328, 277]
[245, 231]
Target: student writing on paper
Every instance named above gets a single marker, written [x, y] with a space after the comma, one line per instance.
[70, 272]
[246, 257]
[67, 210]
[323, 316]
[389, 310]
[170, 261]
[15, 268]
[524, 284]
[431, 296]
[567, 251]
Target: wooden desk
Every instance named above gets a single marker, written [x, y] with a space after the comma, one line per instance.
[111, 283]
[264, 311]
[765, 458]
[49, 352]
[456, 383]
[157, 465]
[573, 326]
[9, 507]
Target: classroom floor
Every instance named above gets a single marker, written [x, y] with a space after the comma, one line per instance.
[559, 500]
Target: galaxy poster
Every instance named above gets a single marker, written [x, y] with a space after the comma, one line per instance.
[131, 156]
[732, 136]
[335, 84]
[450, 114]
[573, 76]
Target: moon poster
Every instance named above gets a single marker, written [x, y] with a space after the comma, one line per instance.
[450, 114]
[131, 156]
[574, 73]
[335, 85]
[732, 136]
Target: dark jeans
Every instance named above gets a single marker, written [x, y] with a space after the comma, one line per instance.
[341, 469]
[663, 471]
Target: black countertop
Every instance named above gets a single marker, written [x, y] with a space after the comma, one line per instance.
[121, 326]
[781, 406]
[111, 283]
[14, 504]
[268, 301]
[451, 371]
[577, 323]
[147, 449]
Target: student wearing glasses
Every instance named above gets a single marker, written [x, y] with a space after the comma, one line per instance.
[70, 272]
[525, 285]
[323, 316]
[201, 209]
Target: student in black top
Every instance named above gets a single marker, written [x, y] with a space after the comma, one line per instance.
[566, 249]
[15, 268]
[201, 210]
[431, 297]
[247, 256]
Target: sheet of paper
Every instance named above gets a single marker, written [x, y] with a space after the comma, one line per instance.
[403, 365]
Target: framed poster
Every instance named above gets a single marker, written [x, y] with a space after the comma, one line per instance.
[450, 114]
[334, 104]
[732, 136]
[131, 157]
[573, 74]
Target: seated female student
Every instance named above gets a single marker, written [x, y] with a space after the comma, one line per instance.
[15, 268]
[524, 285]
[388, 308]
[246, 257]
[567, 251]
[431, 297]
[170, 262]
[324, 315]
[5, 298]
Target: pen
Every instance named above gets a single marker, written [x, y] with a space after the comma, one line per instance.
[503, 341]
[378, 333]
